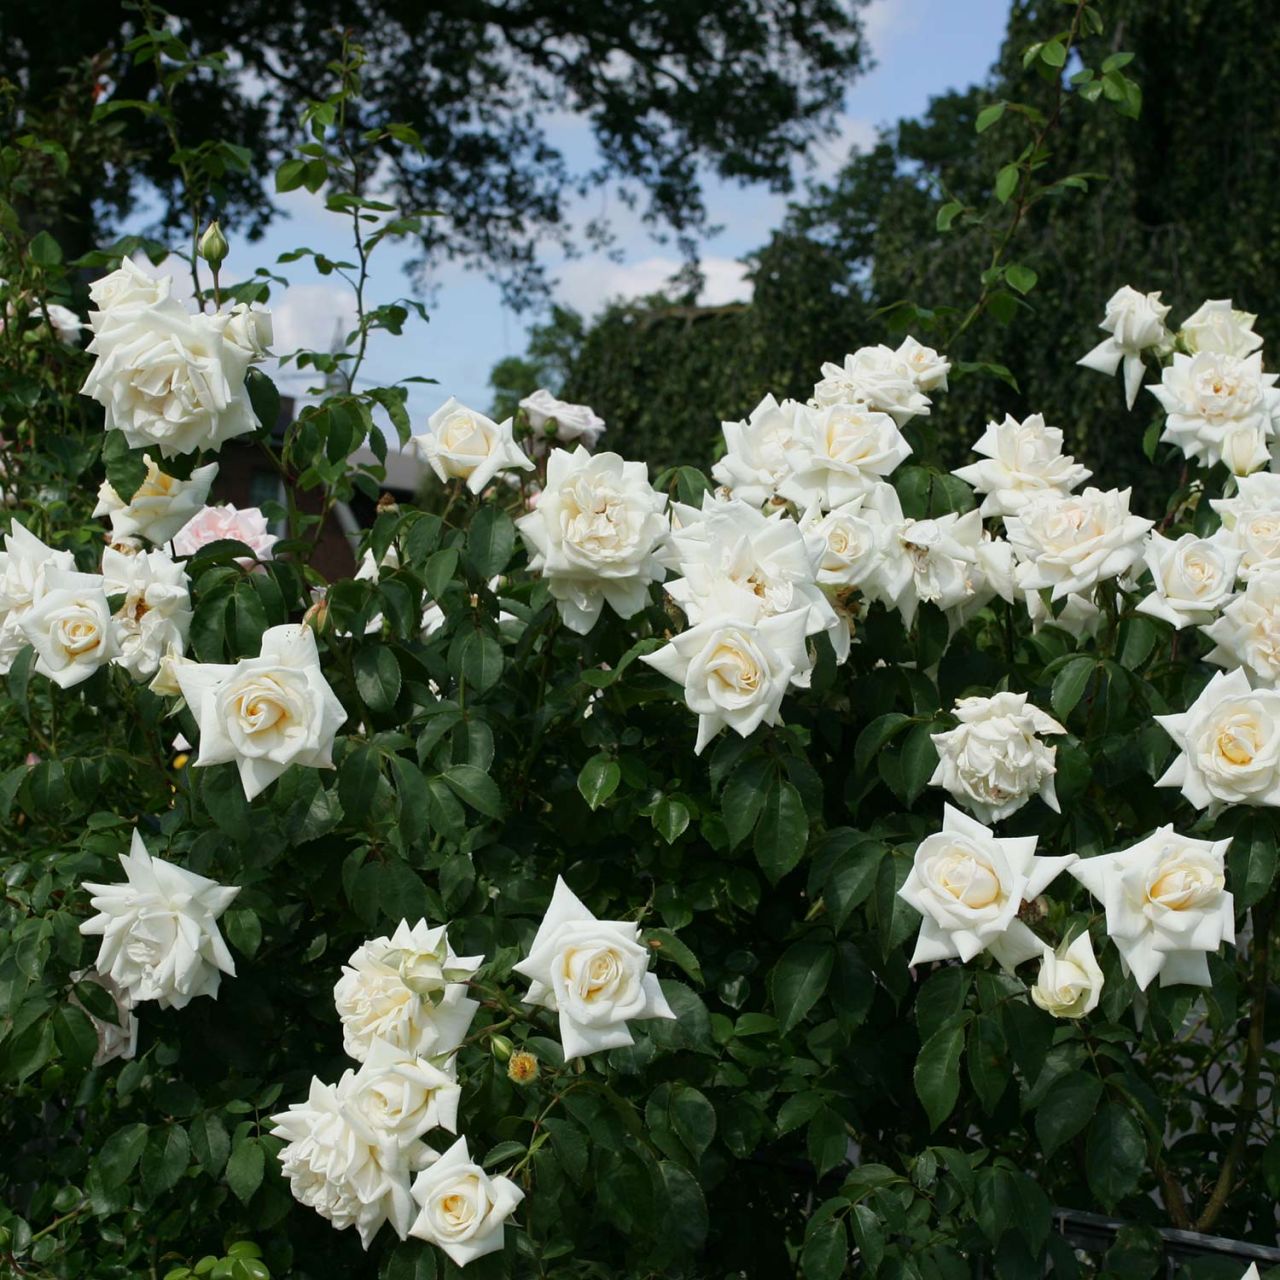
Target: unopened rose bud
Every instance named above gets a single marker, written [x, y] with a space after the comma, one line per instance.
[523, 1068]
[213, 246]
[317, 617]
[500, 1047]
[387, 502]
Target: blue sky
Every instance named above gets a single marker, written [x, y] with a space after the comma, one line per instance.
[922, 48]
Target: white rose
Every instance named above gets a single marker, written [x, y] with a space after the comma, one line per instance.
[70, 627]
[1135, 322]
[265, 713]
[928, 367]
[24, 562]
[932, 561]
[594, 534]
[968, 886]
[1251, 521]
[757, 457]
[410, 990]
[155, 616]
[994, 574]
[594, 973]
[160, 506]
[1166, 905]
[461, 444]
[160, 938]
[736, 673]
[848, 546]
[1230, 742]
[171, 379]
[462, 1208]
[563, 421]
[877, 377]
[1070, 981]
[403, 1095]
[1248, 633]
[1020, 460]
[993, 762]
[1079, 616]
[117, 1039]
[65, 323]
[1217, 326]
[1218, 402]
[1193, 578]
[120, 296]
[735, 563]
[1070, 543]
[842, 452]
[250, 328]
[337, 1163]
[165, 681]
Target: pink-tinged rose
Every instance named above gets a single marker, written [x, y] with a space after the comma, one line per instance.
[217, 524]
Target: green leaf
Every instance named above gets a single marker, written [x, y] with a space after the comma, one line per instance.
[476, 787]
[245, 1168]
[1252, 860]
[480, 660]
[743, 798]
[125, 468]
[358, 780]
[413, 800]
[264, 398]
[1006, 182]
[869, 1237]
[209, 1143]
[439, 570]
[826, 1250]
[1053, 53]
[165, 1160]
[664, 943]
[244, 930]
[947, 214]
[289, 175]
[1069, 685]
[1067, 1107]
[937, 1071]
[74, 1034]
[987, 1061]
[44, 250]
[598, 779]
[693, 1118]
[799, 980]
[880, 731]
[120, 1154]
[1021, 278]
[919, 760]
[1115, 1154]
[987, 117]
[686, 1205]
[411, 1261]
[941, 999]
[377, 677]
[782, 831]
[670, 818]
[490, 541]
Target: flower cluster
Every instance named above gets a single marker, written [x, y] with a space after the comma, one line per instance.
[354, 1151]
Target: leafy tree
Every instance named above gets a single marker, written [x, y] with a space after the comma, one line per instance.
[669, 89]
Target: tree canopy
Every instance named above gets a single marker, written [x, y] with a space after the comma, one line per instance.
[669, 90]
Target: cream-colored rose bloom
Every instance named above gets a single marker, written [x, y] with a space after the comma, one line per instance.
[1135, 322]
[879, 378]
[1070, 543]
[993, 762]
[24, 563]
[154, 615]
[461, 444]
[1248, 632]
[1070, 981]
[1166, 903]
[843, 452]
[1217, 326]
[70, 627]
[1193, 578]
[968, 886]
[1210, 399]
[1230, 743]
[120, 296]
[928, 367]
[265, 713]
[561, 420]
[171, 380]
[404, 1095]
[160, 506]
[409, 990]
[595, 534]
[461, 1207]
[757, 457]
[593, 973]
[1019, 461]
[1251, 521]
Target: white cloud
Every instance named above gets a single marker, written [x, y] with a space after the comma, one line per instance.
[587, 284]
[883, 19]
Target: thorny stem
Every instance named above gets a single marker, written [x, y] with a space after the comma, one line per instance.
[1247, 1108]
[1022, 199]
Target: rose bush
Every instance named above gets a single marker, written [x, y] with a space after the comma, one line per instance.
[529, 936]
